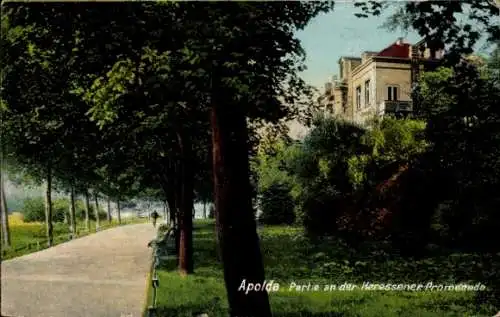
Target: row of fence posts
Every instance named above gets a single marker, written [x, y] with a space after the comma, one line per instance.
[155, 282]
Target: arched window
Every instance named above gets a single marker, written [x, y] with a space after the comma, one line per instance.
[358, 97]
[367, 93]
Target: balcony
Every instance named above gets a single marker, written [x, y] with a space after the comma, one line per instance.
[392, 106]
[340, 83]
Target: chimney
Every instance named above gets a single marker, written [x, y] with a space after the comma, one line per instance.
[400, 41]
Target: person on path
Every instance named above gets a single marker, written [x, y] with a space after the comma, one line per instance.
[155, 216]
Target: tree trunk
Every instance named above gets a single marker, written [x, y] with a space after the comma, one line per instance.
[48, 207]
[72, 213]
[87, 210]
[118, 212]
[96, 211]
[204, 210]
[177, 212]
[4, 214]
[172, 205]
[186, 202]
[235, 221]
[186, 227]
[171, 214]
[109, 210]
[172, 191]
[165, 211]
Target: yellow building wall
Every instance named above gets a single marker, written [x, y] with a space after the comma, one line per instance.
[359, 78]
[337, 93]
[381, 75]
[393, 74]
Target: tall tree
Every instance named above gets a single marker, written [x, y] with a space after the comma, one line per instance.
[4, 213]
[234, 212]
[72, 211]
[87, 210]
[118, 211]
[41, 107]
[108, 214]
[48, 205]
[96, 210]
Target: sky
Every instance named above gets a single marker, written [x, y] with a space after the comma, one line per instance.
[340, 33]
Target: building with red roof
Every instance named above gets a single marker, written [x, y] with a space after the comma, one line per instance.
[378, 82]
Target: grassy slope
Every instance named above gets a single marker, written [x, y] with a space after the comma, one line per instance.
[289, 257]
[24, 236]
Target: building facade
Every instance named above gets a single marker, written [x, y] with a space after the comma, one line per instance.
[378, 83]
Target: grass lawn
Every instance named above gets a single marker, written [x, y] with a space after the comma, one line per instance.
[289, 257]
[30, 237]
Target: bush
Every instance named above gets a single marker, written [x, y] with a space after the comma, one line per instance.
[60, 209]
[277, 205]
[34, 209]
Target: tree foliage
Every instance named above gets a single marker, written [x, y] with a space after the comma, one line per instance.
[454, 25]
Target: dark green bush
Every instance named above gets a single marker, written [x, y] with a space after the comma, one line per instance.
[34, 209]
[277, 205]
[60, 209]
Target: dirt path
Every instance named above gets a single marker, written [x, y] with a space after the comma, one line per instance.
[99, 275]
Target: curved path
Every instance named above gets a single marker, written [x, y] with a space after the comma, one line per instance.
[103, 274]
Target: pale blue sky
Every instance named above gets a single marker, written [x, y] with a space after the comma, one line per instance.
[340, 33]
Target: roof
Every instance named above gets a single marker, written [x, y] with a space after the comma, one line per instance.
[350, 57]
[396, 50]
[421, 42]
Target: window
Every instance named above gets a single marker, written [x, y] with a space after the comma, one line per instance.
[392, 93]
[344, 100]
[367, 93]
[358, 97]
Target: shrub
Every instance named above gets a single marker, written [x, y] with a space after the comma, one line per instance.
[34, 209]
[60, 209]
[277, 204]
